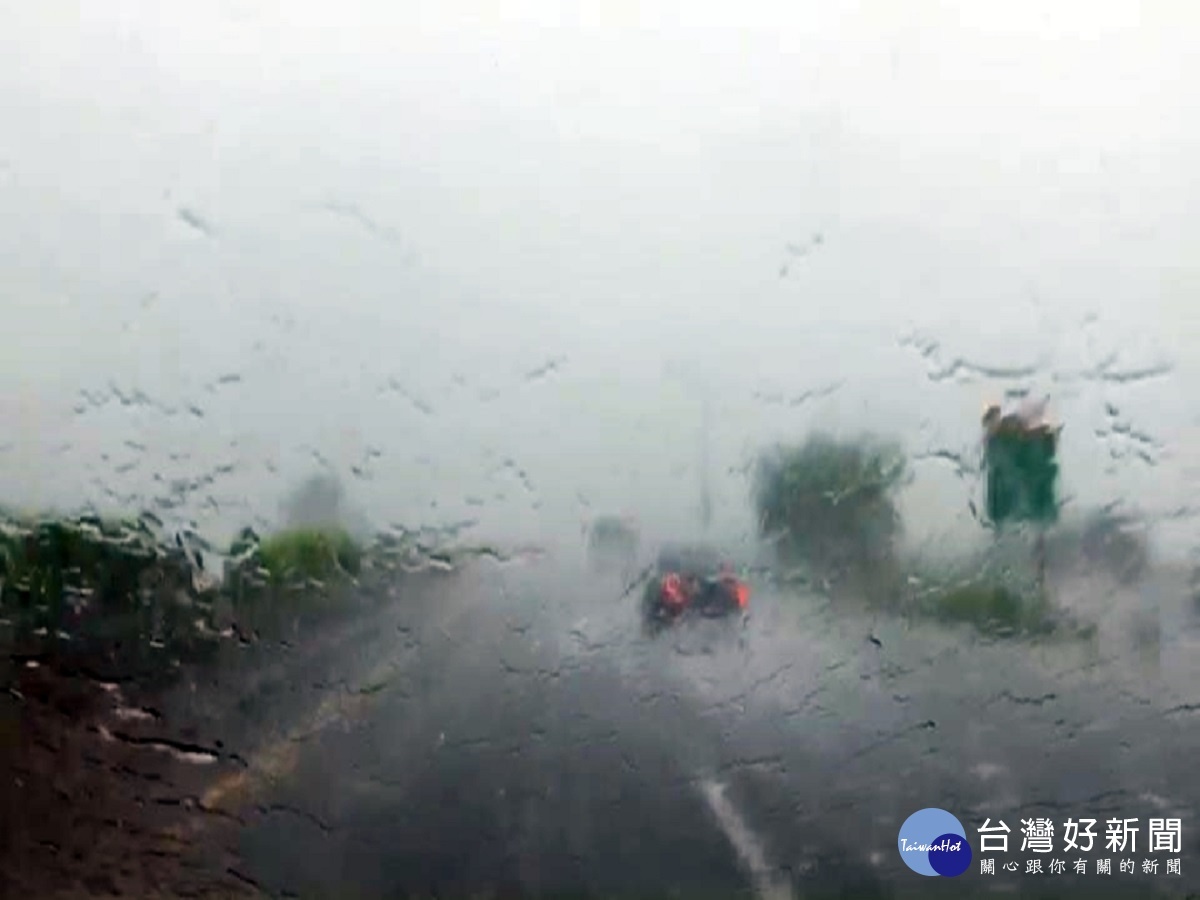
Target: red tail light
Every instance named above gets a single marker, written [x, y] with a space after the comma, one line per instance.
[672, 590]
[742, 591]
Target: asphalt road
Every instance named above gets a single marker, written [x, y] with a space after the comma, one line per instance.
[525, 739]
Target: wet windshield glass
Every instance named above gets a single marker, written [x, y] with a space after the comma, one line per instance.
[465, 450]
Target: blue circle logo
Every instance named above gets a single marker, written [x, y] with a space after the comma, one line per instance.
[933, 842]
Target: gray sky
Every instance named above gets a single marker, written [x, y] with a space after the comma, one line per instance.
[382, 218]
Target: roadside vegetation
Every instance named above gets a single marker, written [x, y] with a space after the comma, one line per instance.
[828, 506]
[831, 504]
[124, 595]
[312, 553]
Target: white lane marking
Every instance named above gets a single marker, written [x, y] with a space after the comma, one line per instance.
[749, 847]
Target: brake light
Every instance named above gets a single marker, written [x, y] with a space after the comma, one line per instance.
[743, 594]
[672, 590]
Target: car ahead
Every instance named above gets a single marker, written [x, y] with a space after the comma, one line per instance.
[613, 543]
[692, 580]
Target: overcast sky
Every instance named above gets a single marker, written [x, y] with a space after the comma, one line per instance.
[490, 255]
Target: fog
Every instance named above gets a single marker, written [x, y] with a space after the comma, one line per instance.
[486, 262]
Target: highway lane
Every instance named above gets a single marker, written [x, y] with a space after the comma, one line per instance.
[529, 741]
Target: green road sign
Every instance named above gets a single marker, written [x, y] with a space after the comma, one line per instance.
[1022, 472]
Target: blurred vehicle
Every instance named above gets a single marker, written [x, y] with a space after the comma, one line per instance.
[692, 580]
[613, 543]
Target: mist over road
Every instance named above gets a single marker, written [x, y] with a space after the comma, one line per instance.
[530, 741]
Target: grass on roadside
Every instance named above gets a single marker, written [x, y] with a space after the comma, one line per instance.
[991, 606]
[309, 553]
[45, 560]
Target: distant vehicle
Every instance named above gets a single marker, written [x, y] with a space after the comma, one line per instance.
[692, 580]
[613, 543]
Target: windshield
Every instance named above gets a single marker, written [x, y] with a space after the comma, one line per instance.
[384, 387]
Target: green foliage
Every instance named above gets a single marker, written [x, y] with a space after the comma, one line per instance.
[292, 580]
[45, 564]
[991, 606]
[317, 553]
[991, 588]
[123, 598]
[114, 589]
[832, 502]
